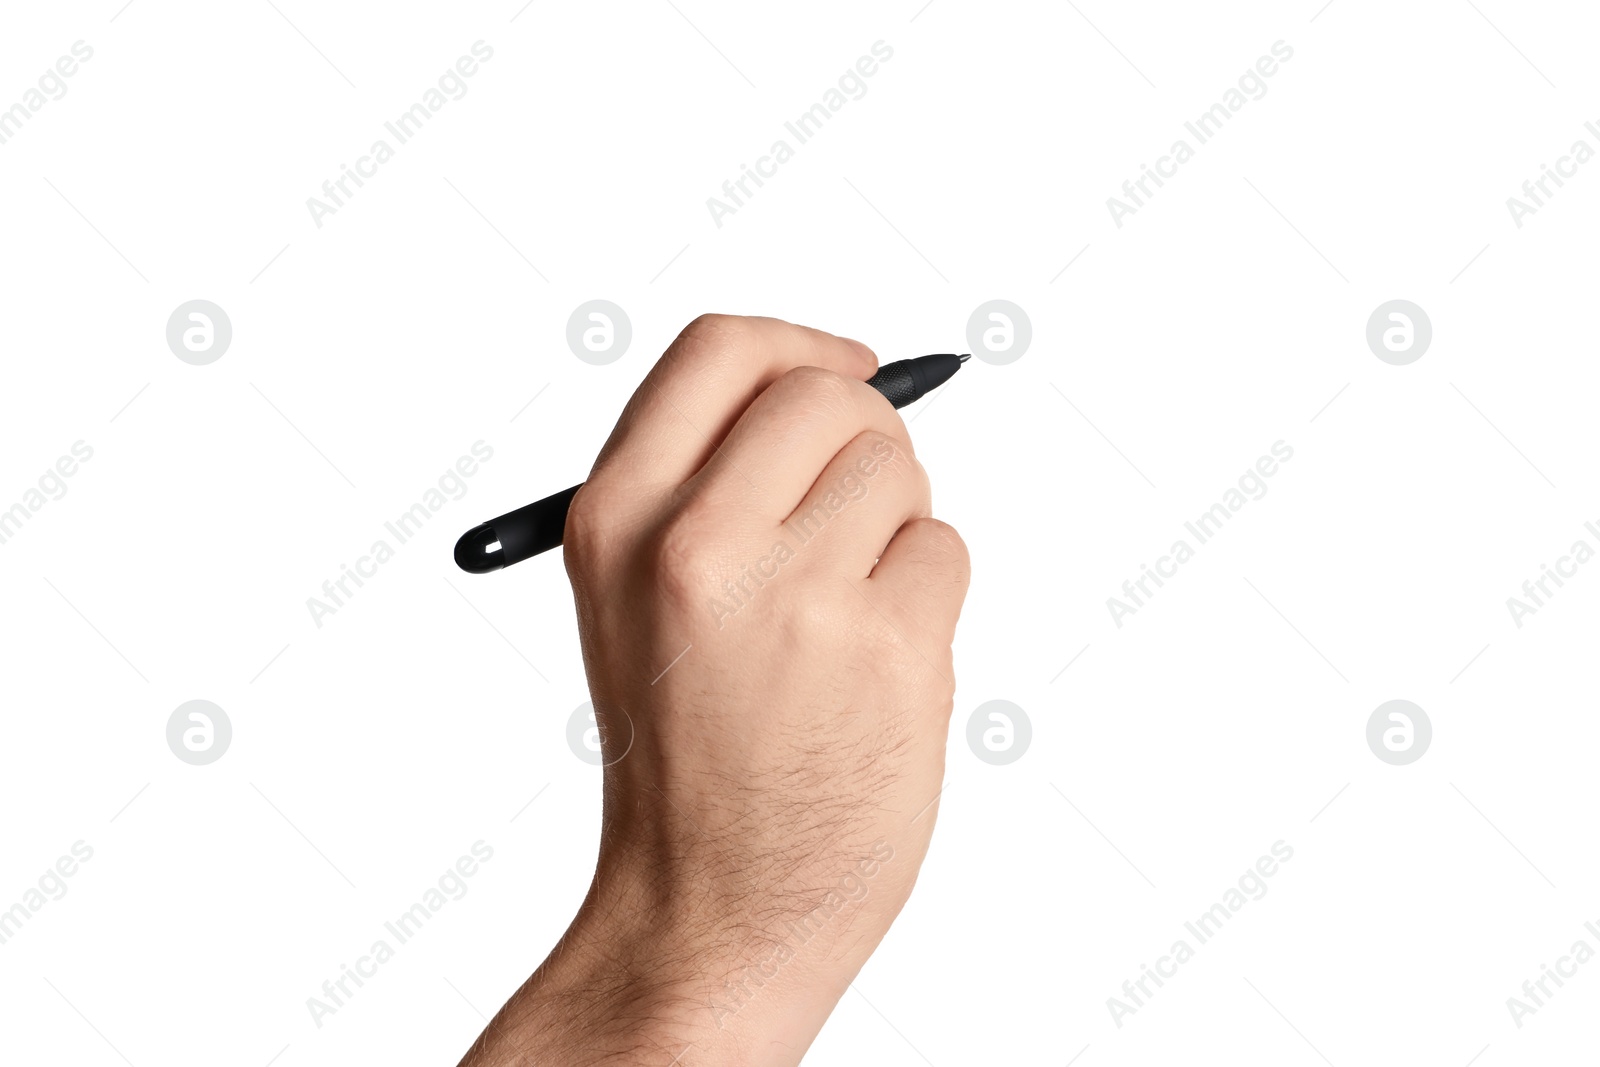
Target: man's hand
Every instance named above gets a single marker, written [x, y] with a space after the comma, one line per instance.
[766, 610]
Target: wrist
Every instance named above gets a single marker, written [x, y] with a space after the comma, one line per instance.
[683, 954]
[643, 978]
[691, 962]
[746, 956]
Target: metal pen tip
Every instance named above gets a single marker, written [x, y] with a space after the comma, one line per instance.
[964, 356]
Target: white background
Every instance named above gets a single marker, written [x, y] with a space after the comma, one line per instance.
[368, 354]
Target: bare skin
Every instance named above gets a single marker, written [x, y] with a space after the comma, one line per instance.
[766, 609]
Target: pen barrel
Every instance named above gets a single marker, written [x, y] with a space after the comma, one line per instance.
[536, 528]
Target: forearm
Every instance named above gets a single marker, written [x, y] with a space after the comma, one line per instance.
[637, 981]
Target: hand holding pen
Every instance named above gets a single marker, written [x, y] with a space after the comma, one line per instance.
[766, 609]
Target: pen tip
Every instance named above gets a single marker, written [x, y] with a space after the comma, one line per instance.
[964, 356]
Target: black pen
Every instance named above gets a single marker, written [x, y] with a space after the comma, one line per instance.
[538, 527]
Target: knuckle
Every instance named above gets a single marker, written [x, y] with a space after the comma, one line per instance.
[681, 558]
[924, 485]
[590, 525]
[939, 543]
[881, 456]
[891, 436]
[887, 450]
[711, 334]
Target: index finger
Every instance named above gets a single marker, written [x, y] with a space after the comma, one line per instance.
[697, 390]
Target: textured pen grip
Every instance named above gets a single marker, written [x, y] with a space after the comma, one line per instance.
[897, 383]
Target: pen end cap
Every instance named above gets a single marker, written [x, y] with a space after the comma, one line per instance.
[479, 552]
